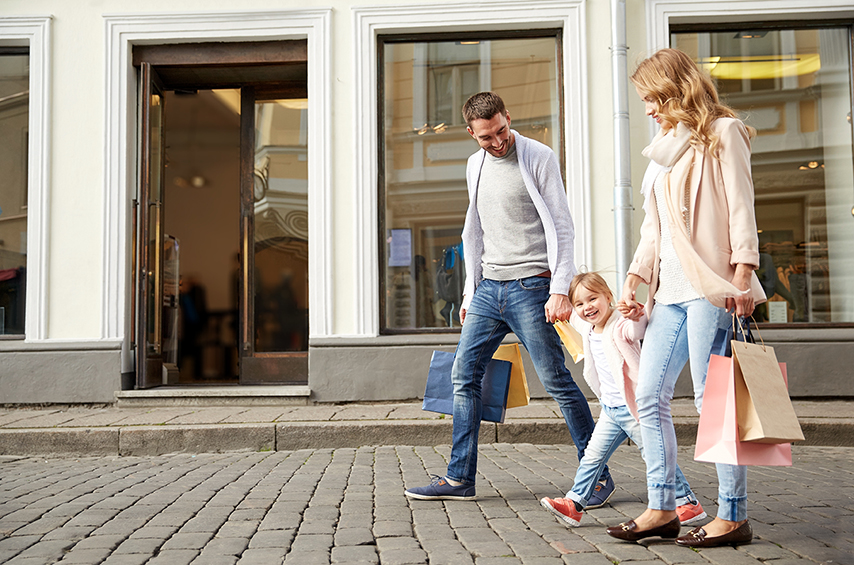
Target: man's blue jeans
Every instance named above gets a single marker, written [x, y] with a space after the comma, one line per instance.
[678, 333]
[615, 425]
[497, 309]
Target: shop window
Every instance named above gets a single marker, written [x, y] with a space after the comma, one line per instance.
[14, 138]
[794, 86]
[424, 148]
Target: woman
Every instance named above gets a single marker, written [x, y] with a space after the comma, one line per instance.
[697, 253]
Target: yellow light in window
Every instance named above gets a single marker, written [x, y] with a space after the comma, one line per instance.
[761, 66]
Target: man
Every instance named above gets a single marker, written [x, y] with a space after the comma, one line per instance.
[518, 239]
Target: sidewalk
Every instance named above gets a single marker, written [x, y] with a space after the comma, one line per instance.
[156, 431]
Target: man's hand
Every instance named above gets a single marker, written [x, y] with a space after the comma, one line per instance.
[462, 316]
[558, 308]
[743, 303]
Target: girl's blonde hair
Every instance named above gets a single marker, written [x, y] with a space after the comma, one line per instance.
[592, 282]
[684, 94]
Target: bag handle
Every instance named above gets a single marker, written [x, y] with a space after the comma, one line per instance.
[745, 330]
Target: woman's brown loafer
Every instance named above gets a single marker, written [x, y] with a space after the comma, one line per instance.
[697, 537]
[628, 531]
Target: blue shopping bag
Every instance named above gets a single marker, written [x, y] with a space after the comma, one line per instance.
[439, 394]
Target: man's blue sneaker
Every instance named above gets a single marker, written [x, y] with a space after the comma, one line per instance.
[439, 489]
[601, 495]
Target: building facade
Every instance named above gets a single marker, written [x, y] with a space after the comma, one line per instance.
[198, 194]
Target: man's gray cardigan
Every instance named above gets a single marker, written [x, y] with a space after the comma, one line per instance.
[541, 174]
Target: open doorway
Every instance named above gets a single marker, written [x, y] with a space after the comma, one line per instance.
[201, 211]
[221, 226]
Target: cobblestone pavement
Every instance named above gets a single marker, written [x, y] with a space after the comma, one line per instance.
[347, 506]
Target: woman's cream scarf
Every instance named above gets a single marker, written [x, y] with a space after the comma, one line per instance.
[666, 150]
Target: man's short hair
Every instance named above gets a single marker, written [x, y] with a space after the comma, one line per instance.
[483, 106]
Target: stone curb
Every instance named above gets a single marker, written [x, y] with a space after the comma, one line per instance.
[197, 438]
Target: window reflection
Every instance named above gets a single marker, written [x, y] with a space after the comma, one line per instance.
[426, 145]
[14, 138]
[281, 226]
[794, 87]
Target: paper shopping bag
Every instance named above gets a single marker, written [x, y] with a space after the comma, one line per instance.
[717, 433]
[764, 409]
[571, 340]
[439, 393]
[518, 395]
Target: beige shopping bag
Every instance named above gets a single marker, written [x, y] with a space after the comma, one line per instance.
[763, 407]
[571, 340]
[519, 395]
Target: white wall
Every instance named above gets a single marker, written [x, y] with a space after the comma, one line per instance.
[76, 265]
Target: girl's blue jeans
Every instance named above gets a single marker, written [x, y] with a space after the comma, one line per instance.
[612, 429]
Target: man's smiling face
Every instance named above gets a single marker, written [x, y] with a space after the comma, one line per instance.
[494, 134]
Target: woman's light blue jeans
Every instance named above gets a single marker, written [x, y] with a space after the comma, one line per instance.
[498, 308]
[614, 425]
[678, 333]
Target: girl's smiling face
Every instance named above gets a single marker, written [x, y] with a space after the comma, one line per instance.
[592, 307]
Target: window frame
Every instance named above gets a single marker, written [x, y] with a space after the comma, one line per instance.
[492, 17]
[34, 32]
[665, 16]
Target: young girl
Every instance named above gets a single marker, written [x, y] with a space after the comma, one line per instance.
[611, 355]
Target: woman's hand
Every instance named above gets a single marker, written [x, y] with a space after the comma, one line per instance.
[743, 303]
[627, 305]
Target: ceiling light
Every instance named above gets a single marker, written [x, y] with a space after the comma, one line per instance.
[755, 34]
[761, 66]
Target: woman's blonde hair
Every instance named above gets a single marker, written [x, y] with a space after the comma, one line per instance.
[684, 94]
[592, 282]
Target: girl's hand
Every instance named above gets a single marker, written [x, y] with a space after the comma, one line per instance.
[633, 311]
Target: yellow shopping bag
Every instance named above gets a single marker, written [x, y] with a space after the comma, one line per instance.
[519, 394]
[571, 339]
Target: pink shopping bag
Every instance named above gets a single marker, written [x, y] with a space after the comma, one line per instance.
[717, 434]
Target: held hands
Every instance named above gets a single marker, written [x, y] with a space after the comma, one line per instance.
[558, 308]
[628, 306]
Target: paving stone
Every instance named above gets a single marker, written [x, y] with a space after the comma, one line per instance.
[99, 542]
[48, 550]
[86, 556]
[266, 556]
[272, 539]
[146, 546]
[354, 537]
[241, 529]
[75, 533]
[212, 559]
[307, 558]
[154, 532]
[226, 546]
[181, 541]
[127, 559]
[361, 554]
[392, 529]
[174, 557]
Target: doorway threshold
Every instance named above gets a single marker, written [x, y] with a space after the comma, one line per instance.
[263, 395]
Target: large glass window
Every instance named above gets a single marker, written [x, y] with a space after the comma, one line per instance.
[14, 139]
[425, 145]
[794, 86]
